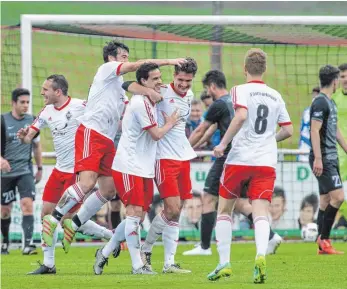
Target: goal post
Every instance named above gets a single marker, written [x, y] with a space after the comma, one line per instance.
[28, 21]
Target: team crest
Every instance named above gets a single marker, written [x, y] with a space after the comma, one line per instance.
[68, 115]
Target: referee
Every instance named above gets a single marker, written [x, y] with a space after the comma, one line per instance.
[17, 170]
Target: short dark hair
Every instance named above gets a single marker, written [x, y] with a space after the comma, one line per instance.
[316, 89]
[343, 67]
[19, 92]
[144, 70]
[327, 74]
[59, 82]
[279, 192]
[215, 76]
[111, 48]
[188, 67]
[311, 200]
[204, 95]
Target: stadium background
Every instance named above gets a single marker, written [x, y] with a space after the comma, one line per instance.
[292, 70]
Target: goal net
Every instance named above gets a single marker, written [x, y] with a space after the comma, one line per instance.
[72, 45]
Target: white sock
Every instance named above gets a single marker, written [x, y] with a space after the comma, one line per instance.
[261, 231]
[48, 252]
[117, 238]
[170, 240]
[93, 229]
[133, 240]
[154, 232]
[224, 237]
[89, 208]
[70, 198]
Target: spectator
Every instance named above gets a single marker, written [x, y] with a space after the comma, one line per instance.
[195, 117]
[277, 209]
[191, 212]
[17, 171]
[305, 143]
[308, 209]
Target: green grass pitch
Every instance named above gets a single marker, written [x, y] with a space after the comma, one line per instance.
[295, 266]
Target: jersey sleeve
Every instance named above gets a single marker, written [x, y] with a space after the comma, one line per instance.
[144, 113]
[215, 112]
[319, 109]
[238, 97]
[283, 116]
[40, 121]
[111, 69]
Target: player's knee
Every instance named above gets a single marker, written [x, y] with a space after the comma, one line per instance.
[116, 206]
[172, 212]
[27, 206]
[5, 212]
[337, 199]
[208, 203]
[134, 211]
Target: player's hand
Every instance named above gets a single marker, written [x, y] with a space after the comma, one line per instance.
[173, 119]
[154, 96]
[177, 61]
[317, 167]
[5, 166]
[218, 150]
[38, 176]
[21, 134]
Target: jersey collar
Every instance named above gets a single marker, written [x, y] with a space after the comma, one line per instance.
[64, 105]
[173, 88]
[256, 81]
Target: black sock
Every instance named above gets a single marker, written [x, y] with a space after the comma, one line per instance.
[320, 219]
[28, 228]
[329, 218]
[5, 229]
[250, 219]
[57, 215]
[115, 219]
[207, 223]
[76, 220]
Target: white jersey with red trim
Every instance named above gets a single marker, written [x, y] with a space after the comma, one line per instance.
[255, 144]
[106, 100]
[175, 145]
[136, 149]
[63, 124]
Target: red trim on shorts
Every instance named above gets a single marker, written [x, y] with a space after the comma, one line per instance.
[256, 81]
[34, 128]
[284, 123]
[173, 88]
[150, 126]
[239, 105]
[64, 105]
[118, 69]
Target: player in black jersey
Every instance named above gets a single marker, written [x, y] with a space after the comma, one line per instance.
[323, 156]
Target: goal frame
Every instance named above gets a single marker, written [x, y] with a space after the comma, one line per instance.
[28, 20]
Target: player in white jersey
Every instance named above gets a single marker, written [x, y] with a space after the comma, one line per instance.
[252, 160]
[59, 114]
[172, 169]
[133, 168]
[94, 148]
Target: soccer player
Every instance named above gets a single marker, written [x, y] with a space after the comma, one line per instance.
[220, 113]
[59, 114]
[94, 148]
[323, 158]
[340, 98]
[304, 142]
[172, 168]
[252, 160]
[16, 169]
[133, 167]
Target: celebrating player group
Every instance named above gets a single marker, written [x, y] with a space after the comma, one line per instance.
[153, 148]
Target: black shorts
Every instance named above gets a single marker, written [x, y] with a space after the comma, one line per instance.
[330, 179]
[25, 185]
[213, 177]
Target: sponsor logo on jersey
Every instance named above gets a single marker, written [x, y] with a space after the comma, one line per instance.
[68, 115]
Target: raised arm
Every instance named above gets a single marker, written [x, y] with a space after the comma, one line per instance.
[207, 135]
[199, 132]
[133, 66]
[26, 135]
[158, 133]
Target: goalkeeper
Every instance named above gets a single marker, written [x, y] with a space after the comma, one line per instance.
[340, 98]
